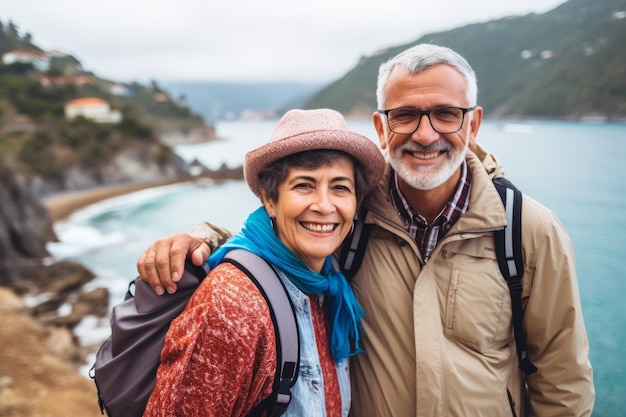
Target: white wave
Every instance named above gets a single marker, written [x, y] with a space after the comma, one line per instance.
[92, 330]
[77, 239]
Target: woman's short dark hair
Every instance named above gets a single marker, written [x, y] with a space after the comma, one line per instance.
[273, 174]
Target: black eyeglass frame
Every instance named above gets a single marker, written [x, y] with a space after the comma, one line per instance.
[421, 113]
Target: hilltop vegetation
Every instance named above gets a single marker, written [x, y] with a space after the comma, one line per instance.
[566, 63]
[37, 140]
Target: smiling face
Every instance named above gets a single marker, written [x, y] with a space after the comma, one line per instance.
[426, 159]
[314, 209]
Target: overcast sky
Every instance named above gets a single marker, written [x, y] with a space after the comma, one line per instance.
[245, 40]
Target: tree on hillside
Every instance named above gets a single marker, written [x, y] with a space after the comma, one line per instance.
[13, 30]
[10, 38]
[27, 38]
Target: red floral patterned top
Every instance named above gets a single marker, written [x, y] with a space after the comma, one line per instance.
[219, 357]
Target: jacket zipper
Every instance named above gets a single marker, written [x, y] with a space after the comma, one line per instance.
[511, 402]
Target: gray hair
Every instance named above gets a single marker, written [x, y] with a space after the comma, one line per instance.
[418, 58]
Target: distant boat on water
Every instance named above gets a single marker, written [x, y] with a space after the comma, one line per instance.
[515, 128]
[594, 119]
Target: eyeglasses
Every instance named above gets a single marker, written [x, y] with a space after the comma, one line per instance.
[406, 120]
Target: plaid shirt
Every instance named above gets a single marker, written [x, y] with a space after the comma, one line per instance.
[428, 235]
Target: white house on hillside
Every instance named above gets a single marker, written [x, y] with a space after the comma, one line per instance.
[39, 59]
[92, 108]
[120, 90]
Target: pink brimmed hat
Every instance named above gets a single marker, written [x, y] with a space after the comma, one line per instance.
[307, 130]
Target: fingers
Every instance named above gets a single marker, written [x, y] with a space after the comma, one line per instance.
[146, 267]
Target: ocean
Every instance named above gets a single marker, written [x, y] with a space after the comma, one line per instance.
[573, 168]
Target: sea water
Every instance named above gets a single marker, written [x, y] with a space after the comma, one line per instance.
[575, 169]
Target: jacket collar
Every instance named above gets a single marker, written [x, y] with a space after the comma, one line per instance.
[485, 210]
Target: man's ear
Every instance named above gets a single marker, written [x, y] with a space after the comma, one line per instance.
[477, 119]
[379, 125]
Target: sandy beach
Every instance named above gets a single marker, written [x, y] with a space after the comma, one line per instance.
[62, 205]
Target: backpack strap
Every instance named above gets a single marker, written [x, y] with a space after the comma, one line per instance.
[285, 326]
[353, 247]
[508, 242]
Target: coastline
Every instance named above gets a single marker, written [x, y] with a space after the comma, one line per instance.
[60, 206]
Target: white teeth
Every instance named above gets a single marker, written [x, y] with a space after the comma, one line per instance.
[425, 156]
[320, 228]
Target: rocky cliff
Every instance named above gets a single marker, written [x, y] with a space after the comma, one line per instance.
[138, 163]
[24, 224]
[39, 356]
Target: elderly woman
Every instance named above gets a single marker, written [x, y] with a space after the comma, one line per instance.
[219, 357]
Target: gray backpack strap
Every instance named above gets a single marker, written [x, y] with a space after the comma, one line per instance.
[285, 325]
[509, 253]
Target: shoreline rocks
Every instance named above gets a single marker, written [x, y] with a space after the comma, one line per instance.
[37, 372]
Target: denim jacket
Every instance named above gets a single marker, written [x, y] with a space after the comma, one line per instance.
[307, 395]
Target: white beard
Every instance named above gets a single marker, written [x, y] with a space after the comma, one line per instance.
[428, 177]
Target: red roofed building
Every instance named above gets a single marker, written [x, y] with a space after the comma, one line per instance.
[92, 108]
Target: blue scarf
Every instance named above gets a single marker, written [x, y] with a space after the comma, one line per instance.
[257, 236]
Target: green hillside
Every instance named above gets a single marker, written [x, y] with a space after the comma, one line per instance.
[586, 75]
[35, 136]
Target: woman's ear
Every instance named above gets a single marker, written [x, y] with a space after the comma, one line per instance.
[269, 205]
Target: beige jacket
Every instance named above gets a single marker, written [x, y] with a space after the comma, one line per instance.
[438, 337]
